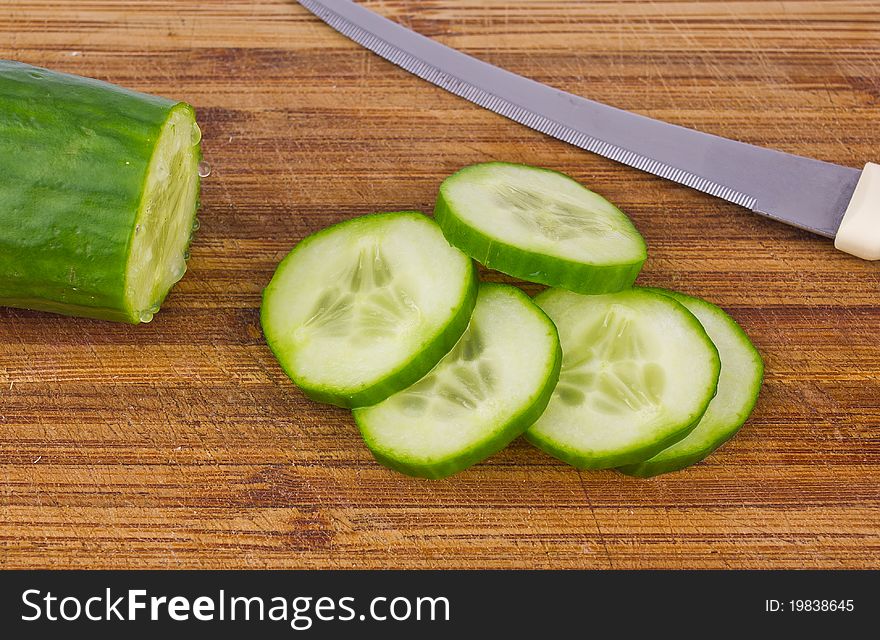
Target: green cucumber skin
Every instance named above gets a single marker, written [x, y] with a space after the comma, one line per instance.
[659, 463]
[74, 154]
[632, 456]
[641, 454]
[650, 468]
[408, 373]
[507, 434]
[531, 267]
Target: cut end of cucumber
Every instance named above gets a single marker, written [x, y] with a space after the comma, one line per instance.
[166, 217]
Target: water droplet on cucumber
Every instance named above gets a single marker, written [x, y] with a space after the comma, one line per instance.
[196, 134]
[204, 169]
[178, 271]
[196, 224]
[146, 316]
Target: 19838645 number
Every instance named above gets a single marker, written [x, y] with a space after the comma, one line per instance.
[821, 605]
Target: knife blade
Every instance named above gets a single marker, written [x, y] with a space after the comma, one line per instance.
[803, 192]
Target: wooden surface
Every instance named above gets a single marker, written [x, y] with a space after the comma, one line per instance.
[182, 444]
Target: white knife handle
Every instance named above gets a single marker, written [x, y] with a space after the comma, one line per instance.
[859, 232]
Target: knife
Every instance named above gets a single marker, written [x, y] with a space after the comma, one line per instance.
[828, 199]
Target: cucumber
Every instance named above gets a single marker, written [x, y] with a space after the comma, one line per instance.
[483, 394]
[98, 194]
[742, 371]
[638, 372]
[365, 308]
[541, 226]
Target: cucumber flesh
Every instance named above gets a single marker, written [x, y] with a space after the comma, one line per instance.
[541, 226]
[365, 308]
[494, 383]
[164, 226]
[638, 372]
[98, 194]
[741, 373]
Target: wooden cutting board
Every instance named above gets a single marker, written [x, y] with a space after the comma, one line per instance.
[181, 443]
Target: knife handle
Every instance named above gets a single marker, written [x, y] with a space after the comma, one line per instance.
[859, 231]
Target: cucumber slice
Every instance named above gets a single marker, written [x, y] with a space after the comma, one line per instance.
[98, 194]
[365, 308]
[483, 394]
[742, 371]
[541, 226]
[638, 372]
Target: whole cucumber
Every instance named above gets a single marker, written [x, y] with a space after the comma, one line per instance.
[99, 188]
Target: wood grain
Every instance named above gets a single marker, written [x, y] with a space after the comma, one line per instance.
[182, 444]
